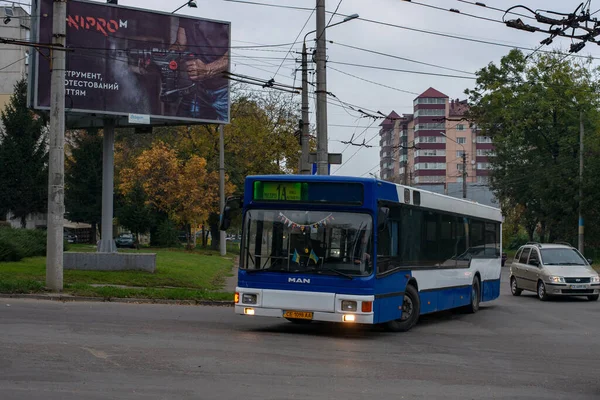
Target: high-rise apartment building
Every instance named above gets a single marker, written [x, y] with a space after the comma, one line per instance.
[15, 24]
[427, 147]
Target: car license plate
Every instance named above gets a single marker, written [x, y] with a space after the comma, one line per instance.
[298, 314]
[578, 286]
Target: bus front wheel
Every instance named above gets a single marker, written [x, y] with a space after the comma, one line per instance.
[473, 306]
[411, 309]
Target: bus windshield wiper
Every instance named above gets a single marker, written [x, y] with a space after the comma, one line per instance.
[334, 271]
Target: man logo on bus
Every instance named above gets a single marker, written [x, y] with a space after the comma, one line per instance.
[298, 280]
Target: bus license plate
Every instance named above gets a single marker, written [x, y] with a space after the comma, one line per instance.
[577, 286]
[298, 314]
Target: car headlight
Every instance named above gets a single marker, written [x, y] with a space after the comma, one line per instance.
[595, 279]
[556, 279]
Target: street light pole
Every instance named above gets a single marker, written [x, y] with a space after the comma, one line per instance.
[321, 91]
[322, 151]
[581, 224]
[304, 139]
[191, 4]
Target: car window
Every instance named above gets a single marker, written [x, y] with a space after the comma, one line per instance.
[534, 256]
[524, 255]
[518, 255]
[562, 256]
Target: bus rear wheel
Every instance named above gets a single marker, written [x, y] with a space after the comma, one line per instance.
[411, 309]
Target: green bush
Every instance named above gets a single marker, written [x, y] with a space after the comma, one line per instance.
[167, 235]
[16, 244]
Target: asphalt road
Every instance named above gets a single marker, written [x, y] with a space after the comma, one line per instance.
[514, 348]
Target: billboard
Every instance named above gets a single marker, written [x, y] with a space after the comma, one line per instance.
[139, 66]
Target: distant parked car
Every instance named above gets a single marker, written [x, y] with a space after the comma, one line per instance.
[70, 237]
[125, 240]
[504, 256]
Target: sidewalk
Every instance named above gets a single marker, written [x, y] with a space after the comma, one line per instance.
[231, 281]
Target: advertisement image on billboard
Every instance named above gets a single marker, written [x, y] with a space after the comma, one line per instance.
[139, 66]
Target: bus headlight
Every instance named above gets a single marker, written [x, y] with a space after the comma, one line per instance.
[348, 305]
[249, 298]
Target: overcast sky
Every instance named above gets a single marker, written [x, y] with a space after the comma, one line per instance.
[267, 25]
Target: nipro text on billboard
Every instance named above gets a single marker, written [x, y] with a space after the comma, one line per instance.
[129, 61]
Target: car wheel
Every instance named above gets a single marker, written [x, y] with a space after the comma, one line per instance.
[473, 307]
[411, 309]
[593, 297]
[514, 289]
[541, 291]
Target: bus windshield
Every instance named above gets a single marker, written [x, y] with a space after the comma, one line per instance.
[319, 242]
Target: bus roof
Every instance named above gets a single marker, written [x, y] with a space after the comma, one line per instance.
[393, 192]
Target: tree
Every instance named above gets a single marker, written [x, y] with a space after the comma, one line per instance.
[83, 179]
[183, 189]
[261, 139]
[531, 109]
[23, 158]
[133, 212]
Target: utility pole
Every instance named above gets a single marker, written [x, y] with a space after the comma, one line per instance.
[581, 224]
[56, 153]
[464, 174]
[322, 151]
[222, 241]
[304, 138]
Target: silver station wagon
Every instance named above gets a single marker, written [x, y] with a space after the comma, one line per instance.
[553, 270]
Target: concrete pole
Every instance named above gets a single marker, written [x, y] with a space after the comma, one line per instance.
[305, 138]
[107, 244]
[222, 241]
[56, 154]
[464, 174]
[322, 151]
[581, 224]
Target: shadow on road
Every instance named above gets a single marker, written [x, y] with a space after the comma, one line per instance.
[556, 299]
[351, 331]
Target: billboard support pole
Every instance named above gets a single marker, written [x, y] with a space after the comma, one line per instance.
[107, 244]
[56, 153]
[222, 241]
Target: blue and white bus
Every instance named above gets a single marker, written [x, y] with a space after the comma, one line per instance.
[361, 250]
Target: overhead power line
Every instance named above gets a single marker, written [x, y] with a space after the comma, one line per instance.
[453, 10]
[452, 36]
[401, 58]
[483, 5]
[372, 82]
[256, 3]
[560, 24]
[295, 40]
[401, 70]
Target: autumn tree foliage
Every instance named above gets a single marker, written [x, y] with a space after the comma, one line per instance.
[182, 188]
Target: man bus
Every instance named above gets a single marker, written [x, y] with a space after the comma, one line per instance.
[361, 250]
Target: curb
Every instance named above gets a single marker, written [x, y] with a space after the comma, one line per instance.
[68, 298]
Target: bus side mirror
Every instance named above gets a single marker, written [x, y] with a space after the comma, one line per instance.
[230, 203]
[382, 218]
[225, 219]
